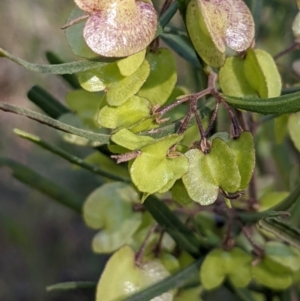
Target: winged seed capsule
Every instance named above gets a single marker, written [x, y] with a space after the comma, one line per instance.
[118, 28]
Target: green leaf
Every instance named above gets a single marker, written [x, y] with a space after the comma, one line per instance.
[281, 258]
[271, 199]
[130, 64]
[294, 129]
[38, 182]
[219, 264]
[191, 294]
[85, 105]
[109, 208]
[72, 285]
[45, 101]
[74, 35]
[232, 78]
[101, 138]
[263, 275]
[280, 128]
[289, 103]
[162, 79]
[129, 140]
[153, 169]
[180, 194]
[212, 272]
[129, 113]
[243, 150]
[262, 73]
[105, 163]
[198, 181]
[69, 157]
[66, 68]
[92, 80]
[208, 172]
[122, 277]
[174, 281]
[121, 90]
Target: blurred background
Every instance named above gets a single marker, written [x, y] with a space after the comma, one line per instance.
[42, 242]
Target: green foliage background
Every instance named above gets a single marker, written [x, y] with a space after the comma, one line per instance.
[39, 238]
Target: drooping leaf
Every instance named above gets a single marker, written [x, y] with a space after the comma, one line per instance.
[109, 208]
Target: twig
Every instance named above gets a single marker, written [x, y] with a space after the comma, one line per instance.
[140, 253]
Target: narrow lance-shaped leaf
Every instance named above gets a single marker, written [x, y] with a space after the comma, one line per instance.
[72, 285]
[289, 103]
[29, 177]
[69, 157]
[45, 101]
[66, 68]
[102, 138]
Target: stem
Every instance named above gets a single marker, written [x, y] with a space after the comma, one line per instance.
[289, 49]
[126, 157]
[75, 21]
[140, 253]
[212, 119]
[185, 123]
[198, 121]
[181, 100]
[236, 127]
[257, 249]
